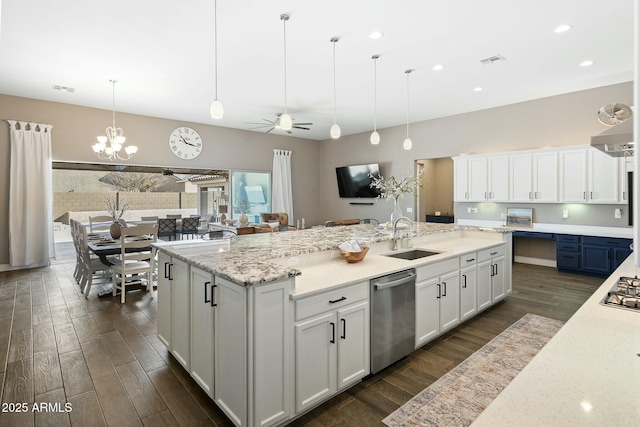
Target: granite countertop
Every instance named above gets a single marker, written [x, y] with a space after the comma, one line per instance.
[249, 259]
[588, 374]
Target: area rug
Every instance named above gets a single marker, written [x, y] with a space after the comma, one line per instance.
[457, 398]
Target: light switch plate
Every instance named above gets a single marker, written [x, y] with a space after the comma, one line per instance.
[618, 213]
[565, 213]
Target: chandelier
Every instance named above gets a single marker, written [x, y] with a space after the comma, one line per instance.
[114, 138]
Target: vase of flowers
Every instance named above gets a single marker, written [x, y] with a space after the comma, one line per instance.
[116, 213]
[393, 189]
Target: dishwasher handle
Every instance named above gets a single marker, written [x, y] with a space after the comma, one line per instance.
[408, 278]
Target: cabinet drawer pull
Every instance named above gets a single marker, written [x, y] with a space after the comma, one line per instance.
[344, 329]
[213, 303]
[333, 333]
[206, 285]
[470, 260]
[337, 300]
[464, 276]
[439, 295]
[493, 253]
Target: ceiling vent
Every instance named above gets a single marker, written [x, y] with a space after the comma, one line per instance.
[63, 88]
[492, 59]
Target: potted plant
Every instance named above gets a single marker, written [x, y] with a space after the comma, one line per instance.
[116, 212]
[393, 189]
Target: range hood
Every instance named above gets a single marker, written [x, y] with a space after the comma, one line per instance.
[616, 141]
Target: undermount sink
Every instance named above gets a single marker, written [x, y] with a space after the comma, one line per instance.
[412, 254]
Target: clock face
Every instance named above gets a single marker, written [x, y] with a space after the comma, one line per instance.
[185, 143]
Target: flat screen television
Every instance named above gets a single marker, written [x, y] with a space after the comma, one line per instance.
[354, 181]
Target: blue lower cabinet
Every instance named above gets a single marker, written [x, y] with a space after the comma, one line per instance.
[590, 255]
[596, 259]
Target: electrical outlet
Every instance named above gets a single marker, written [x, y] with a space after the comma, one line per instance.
[474, 210]
[468, 210]
[617, 214]
[487, 210]
[565, 213]
[409, 210]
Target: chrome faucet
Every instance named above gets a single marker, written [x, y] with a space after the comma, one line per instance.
[394, 238]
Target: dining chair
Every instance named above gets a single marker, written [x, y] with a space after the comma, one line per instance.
[89, 265]
[137, 258]
[74, 228]
[167, 228]
[189, 227]
[100, 223]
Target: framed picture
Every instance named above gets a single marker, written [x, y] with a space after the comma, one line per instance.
[520, 217]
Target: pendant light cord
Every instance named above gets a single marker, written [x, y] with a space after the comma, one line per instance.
[334, 41]
[113, 102]
[408, 72]
[375, 91]
[215, 45]
[285, 18]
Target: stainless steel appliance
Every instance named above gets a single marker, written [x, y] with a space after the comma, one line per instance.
[624, 294]
[392, 318]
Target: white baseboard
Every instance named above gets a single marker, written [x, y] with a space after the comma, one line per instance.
[9, 267]
[535, 261]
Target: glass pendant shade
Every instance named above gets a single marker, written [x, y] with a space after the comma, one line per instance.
[407, 144]
[286, 123]
[216, 110]
[375, 138]
[335, 131]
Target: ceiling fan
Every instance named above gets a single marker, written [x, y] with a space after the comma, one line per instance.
[612, 114]
[275, 124]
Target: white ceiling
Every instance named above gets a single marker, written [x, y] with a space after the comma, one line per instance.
[161, 52]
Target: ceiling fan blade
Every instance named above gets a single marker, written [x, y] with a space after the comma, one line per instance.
[254, 123]
[300, 127]
[269, 121]
[259, 127]
[304, 124]
[270, 130]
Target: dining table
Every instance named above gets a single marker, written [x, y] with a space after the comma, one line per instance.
[103, 246]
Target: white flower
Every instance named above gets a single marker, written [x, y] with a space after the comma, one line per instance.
[391, 188]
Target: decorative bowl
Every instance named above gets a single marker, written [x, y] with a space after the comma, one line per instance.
[230, 221]
[353, 257]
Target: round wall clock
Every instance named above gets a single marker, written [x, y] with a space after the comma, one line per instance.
[185, 143]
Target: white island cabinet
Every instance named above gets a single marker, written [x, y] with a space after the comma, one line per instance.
[331, 343]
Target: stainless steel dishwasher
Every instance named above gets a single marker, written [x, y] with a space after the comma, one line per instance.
[392, 318]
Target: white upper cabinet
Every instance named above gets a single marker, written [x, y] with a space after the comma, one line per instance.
[481, 178]
[498, 177]
[521, 177]
[589, 176]
[478, 174]
[460, 180]
[603, 177]
[534, 177]
[625, 166]
[573, 176]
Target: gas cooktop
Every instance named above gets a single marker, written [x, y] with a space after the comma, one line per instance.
[624, 294]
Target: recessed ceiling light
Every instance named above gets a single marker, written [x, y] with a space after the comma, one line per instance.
[478, 89]
[438, 67]
[376, 35]
[562, 28]
[586, 63]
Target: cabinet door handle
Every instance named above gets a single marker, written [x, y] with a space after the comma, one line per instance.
[166, 273]
[492, 274]
[584, 195]
[591, 195]
[464, 276]
[213, 303]
[624, 195]
[333, 333]
[472, 259]
[170, 271]
[466, 195]
[444, 289]
[344, 329]
[337, 300]
[439, 295]
[485, 196]
[530, 198]
[206, 285]
[492, 195]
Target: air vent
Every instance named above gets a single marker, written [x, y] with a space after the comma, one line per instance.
[492, 59]
[63, 88]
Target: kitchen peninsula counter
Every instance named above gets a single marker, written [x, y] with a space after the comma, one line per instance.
[588, 374]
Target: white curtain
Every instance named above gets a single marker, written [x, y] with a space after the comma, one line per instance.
[282, 195]
[30, 195]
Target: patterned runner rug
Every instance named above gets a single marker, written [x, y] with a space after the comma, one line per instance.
[457, 398]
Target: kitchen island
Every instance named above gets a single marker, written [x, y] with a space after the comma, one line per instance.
[588, 374]
[260, 322]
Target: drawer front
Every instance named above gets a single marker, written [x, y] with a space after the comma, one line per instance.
[486, 254]
[568, 260]
[568, 238]
[331, 300]
[607, 241]
[568, 247]
[468, 259]
[436, 269]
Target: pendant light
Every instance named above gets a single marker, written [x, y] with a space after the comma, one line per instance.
[375, 136]
[216, 110]
[407, 144]
[335, 129]
[286, 123]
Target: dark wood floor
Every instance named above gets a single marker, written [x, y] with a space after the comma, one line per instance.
[105, 360]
